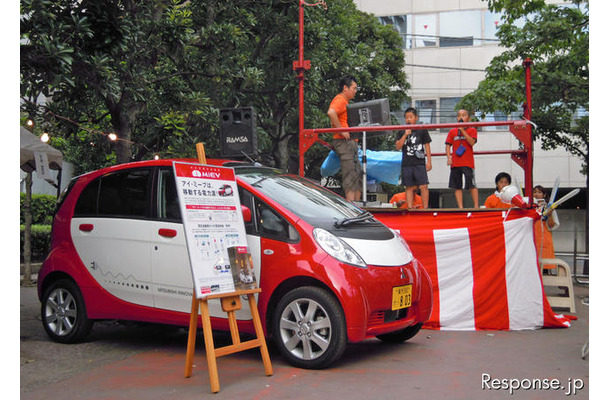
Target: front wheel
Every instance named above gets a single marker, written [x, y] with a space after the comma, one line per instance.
[63, 313]
[402, 335]
[309, 327]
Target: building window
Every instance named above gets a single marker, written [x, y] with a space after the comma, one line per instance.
[425, 30]
[400, 113]
[402, 24]
[460, 28]
[492, 21]
[448, 113]
[426, 110]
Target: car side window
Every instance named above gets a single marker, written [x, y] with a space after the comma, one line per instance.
[265, 221]
[272, 225]
[86, 205]
[168, 206]
[119, 194]
[124, 194]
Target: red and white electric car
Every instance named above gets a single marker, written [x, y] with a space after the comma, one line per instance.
[329, 272]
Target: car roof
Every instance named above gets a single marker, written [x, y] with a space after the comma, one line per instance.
[169, 162]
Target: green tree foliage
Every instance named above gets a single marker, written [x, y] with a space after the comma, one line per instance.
[556, 39]
[43, 208]
[96, 59]
[157, 72]
[40, 242]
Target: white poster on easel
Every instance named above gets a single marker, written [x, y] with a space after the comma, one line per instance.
[214, 229]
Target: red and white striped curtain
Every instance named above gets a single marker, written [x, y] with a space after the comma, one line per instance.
[483, 266]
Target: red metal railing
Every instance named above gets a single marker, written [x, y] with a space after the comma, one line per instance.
[521, 129]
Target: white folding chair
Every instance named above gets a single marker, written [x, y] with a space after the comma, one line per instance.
[562, 279]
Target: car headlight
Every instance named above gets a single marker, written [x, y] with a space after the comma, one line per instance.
[337, 248]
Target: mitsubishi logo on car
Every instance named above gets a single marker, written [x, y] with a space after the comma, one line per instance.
[402, 273]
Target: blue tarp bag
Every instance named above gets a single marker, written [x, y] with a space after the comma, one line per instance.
[383, 166]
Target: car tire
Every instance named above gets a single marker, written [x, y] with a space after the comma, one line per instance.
[402, 335]
[63, 312]
[309, 328]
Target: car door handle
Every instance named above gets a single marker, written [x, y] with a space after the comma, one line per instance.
[168, 233]
[85, 227]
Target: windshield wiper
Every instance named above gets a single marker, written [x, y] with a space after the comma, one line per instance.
[364, 216]
[258, 182]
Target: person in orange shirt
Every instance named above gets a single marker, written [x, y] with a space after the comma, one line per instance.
[345, 147]
[543, 236]
[493, 201]
[400, 199]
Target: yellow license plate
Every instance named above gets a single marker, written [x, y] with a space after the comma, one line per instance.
[401, 297]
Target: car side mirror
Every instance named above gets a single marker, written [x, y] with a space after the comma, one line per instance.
[247, 213]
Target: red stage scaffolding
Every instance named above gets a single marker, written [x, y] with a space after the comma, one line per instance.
[521, 129]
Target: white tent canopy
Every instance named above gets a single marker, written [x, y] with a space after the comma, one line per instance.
[30, 145]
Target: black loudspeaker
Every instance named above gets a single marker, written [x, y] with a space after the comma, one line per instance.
[238, 132]
[369, 113]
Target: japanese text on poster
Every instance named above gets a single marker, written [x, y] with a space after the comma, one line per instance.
[214, 229]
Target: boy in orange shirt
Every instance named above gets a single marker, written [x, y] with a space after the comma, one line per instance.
[400, 199]
[493, 201]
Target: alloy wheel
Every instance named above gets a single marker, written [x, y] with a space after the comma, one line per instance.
[306, 329]
[61, 312]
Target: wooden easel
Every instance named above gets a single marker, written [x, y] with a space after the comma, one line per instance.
[230, 303]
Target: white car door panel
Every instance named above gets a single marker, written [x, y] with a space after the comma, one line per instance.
[116, 253]
[172, 275]
[171, 269]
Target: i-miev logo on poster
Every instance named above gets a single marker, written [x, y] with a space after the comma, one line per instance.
[514, 384]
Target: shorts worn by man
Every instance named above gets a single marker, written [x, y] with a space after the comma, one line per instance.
[344, 146]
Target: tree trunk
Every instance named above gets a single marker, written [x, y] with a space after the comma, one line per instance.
[123, 148]
[122, 125]
[281, 154]
[123, 116]
[27, 232]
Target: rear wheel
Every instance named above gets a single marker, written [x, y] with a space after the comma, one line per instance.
[63, 313]
[309, 327]
[402, 335]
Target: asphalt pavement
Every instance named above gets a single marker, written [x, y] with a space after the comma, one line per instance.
[141, 361]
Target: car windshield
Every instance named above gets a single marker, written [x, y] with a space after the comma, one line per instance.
[302, 197]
